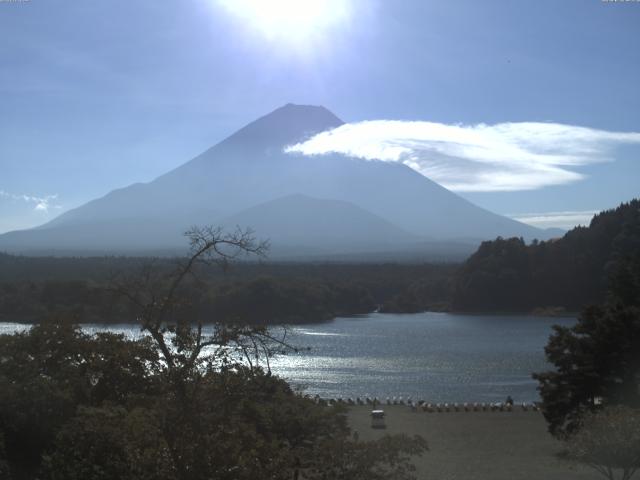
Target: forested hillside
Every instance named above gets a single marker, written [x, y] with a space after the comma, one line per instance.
[568, 273]
[32, 289]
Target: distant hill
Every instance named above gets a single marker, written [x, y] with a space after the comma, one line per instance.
[571, 272]
[378, 205]
[297, 221]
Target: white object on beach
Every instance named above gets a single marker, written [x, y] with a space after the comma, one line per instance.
[377, 419]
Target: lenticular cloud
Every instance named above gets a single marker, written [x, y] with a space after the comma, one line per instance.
[467, 158]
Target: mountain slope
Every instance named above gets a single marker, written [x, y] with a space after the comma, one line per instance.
[298, 222]
[250, 168]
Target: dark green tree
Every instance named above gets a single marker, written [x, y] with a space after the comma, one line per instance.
[597, 360]
[47, 372]
[110, 442]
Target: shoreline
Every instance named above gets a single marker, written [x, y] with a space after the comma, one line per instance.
[523, 314]
[364, 316]
[422, 406]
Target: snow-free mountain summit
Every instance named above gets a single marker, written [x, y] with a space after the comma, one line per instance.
[307, 205]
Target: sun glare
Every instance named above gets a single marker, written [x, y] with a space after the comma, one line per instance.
[289, 20]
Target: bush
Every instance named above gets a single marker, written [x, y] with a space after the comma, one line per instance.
[608, 440]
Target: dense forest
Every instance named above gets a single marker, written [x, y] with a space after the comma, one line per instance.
[503, 275]
[564, 274]
[33, 288]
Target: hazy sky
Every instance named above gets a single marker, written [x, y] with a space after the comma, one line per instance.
[95, 95]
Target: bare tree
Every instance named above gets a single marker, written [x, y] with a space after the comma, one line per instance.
[161, 304]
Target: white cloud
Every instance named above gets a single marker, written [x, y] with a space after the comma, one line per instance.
[41, 204]
[476, 158]
[566, 220]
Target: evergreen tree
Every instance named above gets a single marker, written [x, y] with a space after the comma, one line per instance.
[597, 360]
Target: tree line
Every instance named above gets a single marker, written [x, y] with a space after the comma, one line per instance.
[34, 288]
[503, 275]
[569, 273]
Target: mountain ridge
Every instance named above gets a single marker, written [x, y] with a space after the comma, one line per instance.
[250, 168]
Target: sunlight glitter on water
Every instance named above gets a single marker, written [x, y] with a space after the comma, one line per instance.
[432, 356]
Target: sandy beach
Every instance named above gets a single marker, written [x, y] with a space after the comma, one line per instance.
[477, 445]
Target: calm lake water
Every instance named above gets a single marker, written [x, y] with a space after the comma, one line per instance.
[437, 357]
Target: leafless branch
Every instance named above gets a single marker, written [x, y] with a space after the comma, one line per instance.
[156, 296]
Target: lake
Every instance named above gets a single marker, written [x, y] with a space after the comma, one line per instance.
[437, 357]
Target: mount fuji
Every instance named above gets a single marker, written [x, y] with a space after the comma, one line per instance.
[307, 205]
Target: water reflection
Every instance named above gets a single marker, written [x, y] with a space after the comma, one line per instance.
[432, 356]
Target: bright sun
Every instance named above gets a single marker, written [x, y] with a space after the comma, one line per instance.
[290, 20]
